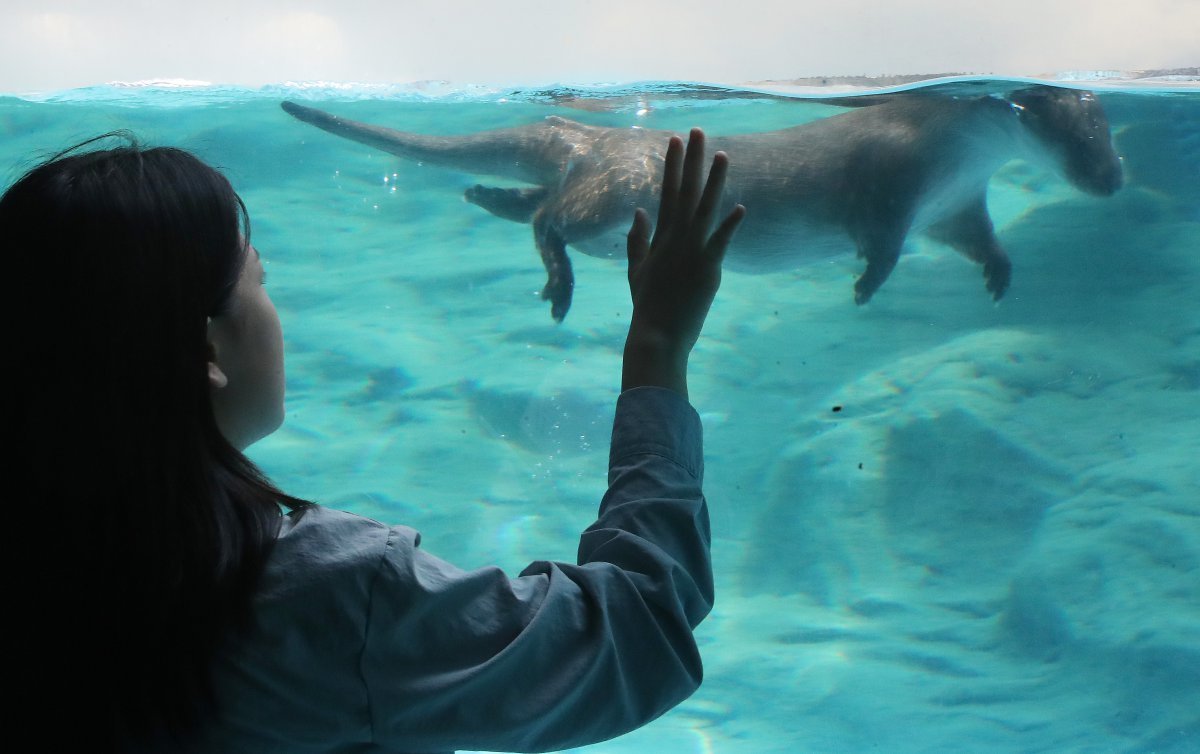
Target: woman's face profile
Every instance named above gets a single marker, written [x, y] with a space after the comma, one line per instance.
[246, 372]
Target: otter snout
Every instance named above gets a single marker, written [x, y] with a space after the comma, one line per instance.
[1071, 126]
[1103, 180]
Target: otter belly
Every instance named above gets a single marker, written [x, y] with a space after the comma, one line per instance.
[777, 246]
[762, 248]
[945, 200]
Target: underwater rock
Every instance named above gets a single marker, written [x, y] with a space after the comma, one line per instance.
[916, 482]
[1109, 592]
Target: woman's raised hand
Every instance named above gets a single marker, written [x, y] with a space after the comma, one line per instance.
[674, 275]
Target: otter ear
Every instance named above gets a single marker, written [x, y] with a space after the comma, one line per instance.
[216, 378]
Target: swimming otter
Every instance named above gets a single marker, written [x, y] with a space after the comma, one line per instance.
[871, 176]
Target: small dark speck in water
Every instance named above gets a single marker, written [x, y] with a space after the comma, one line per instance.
[836, 409]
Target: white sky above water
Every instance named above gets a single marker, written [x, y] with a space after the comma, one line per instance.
[55, 44]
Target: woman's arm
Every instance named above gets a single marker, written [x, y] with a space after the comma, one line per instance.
[572, 654]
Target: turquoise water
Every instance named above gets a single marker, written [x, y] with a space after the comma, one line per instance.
[994, 544]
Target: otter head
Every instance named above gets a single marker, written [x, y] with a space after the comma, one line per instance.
[1070, 126]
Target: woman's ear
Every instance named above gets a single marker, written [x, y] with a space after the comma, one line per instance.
[216, 378]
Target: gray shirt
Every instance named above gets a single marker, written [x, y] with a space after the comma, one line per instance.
[364, 642]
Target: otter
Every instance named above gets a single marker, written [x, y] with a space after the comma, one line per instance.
[866, 178]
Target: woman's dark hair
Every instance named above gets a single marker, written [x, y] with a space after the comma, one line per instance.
[139, 531]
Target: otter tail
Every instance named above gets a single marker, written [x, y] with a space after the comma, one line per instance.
[511, 153]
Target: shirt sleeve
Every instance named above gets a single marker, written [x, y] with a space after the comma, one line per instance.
[565, 654]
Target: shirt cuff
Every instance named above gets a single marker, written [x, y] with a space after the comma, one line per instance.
[659, 421]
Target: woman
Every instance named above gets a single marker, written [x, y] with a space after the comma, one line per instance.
[148, 356]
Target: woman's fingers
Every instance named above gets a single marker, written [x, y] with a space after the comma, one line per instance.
[637, 243]
[672, 172]
[719, 240]
[711, 199]
[688, 205]
[693, 170]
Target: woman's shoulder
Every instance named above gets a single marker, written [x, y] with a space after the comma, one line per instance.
[319, 544]
[297, 664]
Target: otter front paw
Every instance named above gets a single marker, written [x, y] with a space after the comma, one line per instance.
[558, 292]
[863, 291]
[998, 274]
